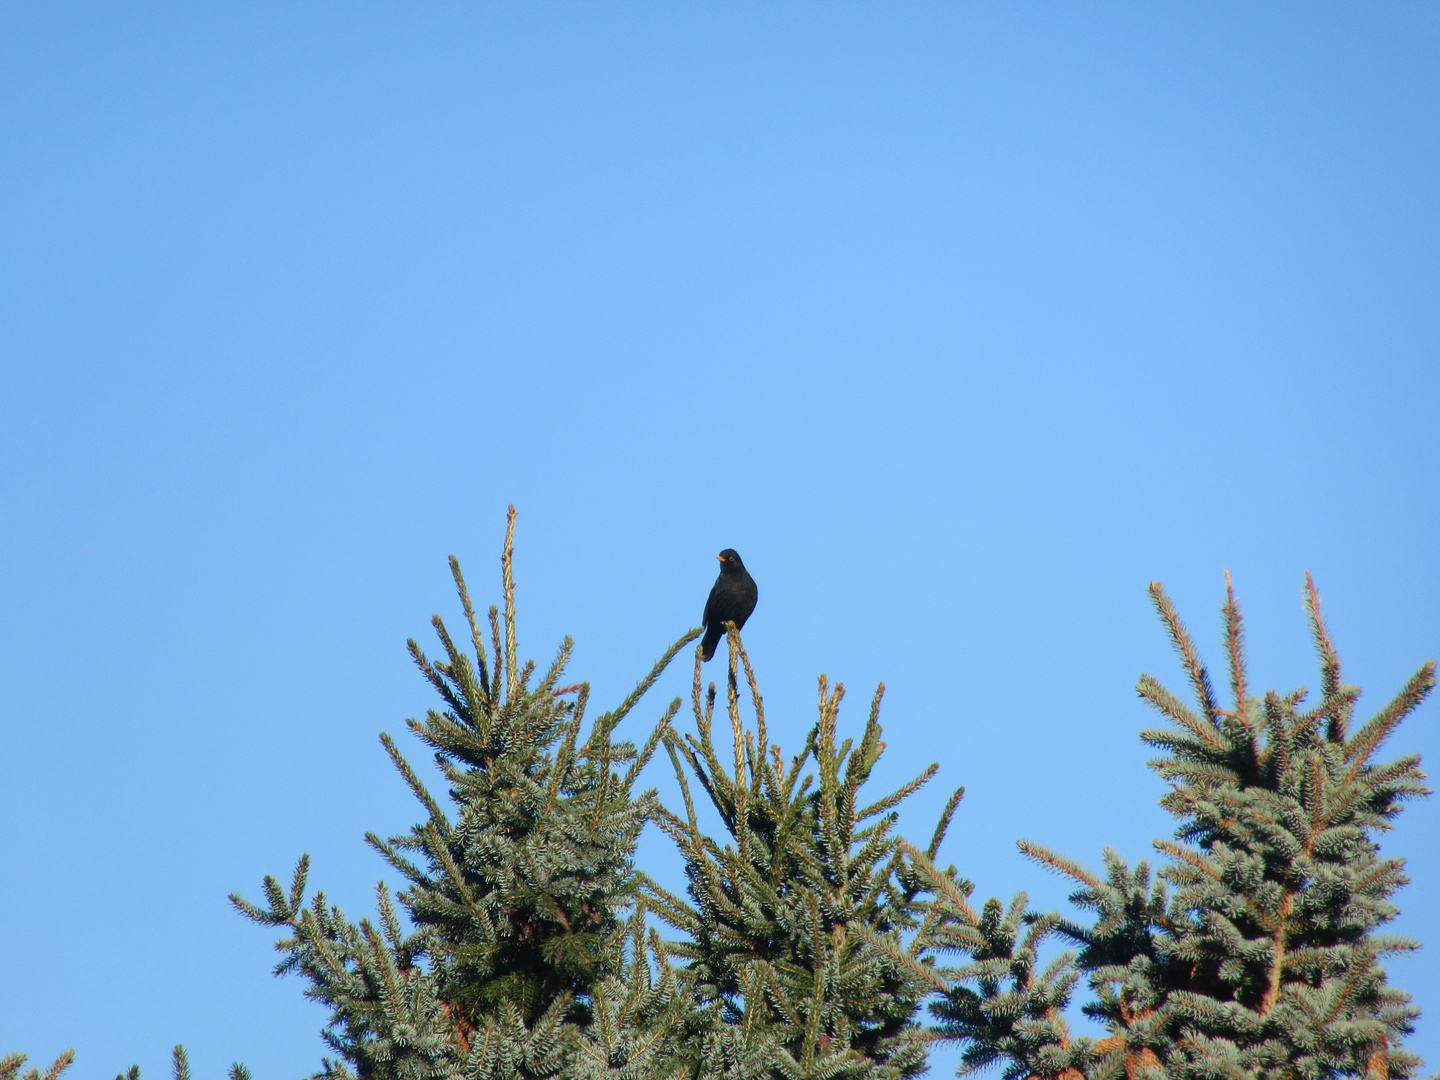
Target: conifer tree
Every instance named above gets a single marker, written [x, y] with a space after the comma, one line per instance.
[790, 924]
[1254, 951]
[1001, 1004]
[521, 908]
[811, 932]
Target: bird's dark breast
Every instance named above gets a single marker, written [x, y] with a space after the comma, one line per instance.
[731, 600]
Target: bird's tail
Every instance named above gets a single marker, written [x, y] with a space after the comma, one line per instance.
[713, 634]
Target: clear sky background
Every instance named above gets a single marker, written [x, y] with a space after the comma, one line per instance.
[962, 322]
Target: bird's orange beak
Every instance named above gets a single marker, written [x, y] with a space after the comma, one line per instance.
[720, 557]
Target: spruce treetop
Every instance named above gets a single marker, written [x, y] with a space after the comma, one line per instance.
[1254, 951]
[520, 905]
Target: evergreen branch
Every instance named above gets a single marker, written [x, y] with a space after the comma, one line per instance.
[386, 850]
[1198, 773]
[10, 1067]
[477, 639]
[756, 702]
[652, 743]
[876, 845]
[604, 781]
[1275, 716]
[1190, 657]
[903, 958]
[551, 679]
[1329, 660]
[895, 798]
[507, 575]
[457, 737]
[668, 906]
[582, 700]
[310, 930]
[713, 780]
[1235, 648]
[755, 763]
[655, 672]
[1191, 858]
[817, 1003]
[695, 692]
[297, 882]
[439, 850]
[737, 785]
[712, 777]
[882, 886]
[498, 693]
[1059, 863]
[283, 909]
[433, 675]
[452, 652]
[475, 708]
[389, 919]
[941, 883]
[674, 746]
[1301, 725]
[521, 686]
[413, 782]
[1378, 728]
[943, 825]
[1387, 872]
[1155, 693]
[380, 959]
[859, 764]
[564, 759]
[1396, 779]
[1385, 944]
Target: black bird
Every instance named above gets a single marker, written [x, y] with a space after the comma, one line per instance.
[731, 600]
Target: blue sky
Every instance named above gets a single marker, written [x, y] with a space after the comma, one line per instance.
[962, 322]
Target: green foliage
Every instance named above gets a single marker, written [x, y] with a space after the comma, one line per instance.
[517, 906]
[1263, 961]
[180, 1068]
[812, 934]
[1278, 874]
[11, 1064]
[791, 924]
[1003, 1006]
